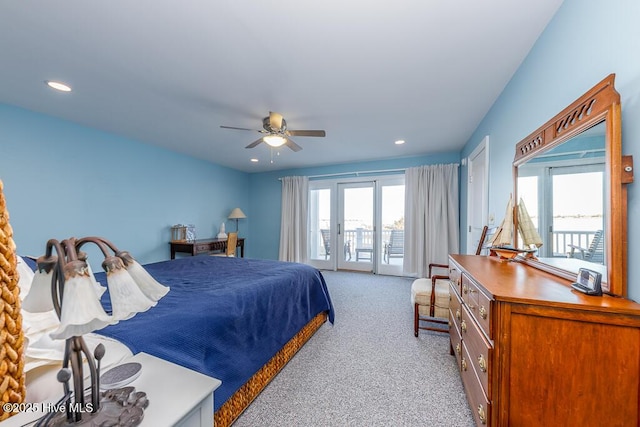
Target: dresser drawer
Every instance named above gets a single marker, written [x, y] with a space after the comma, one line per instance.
[480, 406]
[455, 316]
[478, 303]
[455, 304]
[203, 247]
[480, 351]
[455, 337]
[482, 313]
[455, 277]
[469, 291]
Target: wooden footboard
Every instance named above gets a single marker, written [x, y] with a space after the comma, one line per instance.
[242, 398]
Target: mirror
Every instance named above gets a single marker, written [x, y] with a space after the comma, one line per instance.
[571, 176]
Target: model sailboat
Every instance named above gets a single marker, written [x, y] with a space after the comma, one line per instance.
[502, 240]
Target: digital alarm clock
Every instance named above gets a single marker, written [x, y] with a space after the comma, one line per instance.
[588, 282]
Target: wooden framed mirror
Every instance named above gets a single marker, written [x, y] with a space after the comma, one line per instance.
[572, 177]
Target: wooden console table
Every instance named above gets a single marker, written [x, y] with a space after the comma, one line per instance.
[201, 246]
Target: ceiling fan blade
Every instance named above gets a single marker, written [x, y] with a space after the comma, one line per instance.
[275, 120]
[306, 133]
[292, 145]
[232, 127]
[254, 143]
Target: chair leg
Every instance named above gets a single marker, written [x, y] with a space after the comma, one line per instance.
[417, 327]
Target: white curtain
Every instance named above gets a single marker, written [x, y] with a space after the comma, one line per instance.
[431, 217]
[293, 224]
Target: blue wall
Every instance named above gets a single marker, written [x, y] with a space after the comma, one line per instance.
[266, 191]
[63, 180]
[584, 42]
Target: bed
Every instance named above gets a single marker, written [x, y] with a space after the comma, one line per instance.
[239, 320]
[236, 319]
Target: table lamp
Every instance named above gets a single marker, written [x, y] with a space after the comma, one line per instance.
[237, 214]
[64, 282]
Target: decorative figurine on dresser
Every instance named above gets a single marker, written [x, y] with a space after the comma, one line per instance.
[532, 350]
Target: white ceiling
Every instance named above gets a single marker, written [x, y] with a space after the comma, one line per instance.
[169, 73]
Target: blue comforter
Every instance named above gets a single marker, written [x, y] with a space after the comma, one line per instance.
[224, 317]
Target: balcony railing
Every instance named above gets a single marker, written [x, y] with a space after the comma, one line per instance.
[361, 238]
[358, 244]
[561, 239]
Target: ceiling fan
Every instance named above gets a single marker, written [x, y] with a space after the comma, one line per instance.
[277, 134]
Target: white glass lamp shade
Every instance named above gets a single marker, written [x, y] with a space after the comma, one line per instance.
[81, 311]
[147, 284]
[97, 286]
[274, 140]
[126, 297]
[39, 300]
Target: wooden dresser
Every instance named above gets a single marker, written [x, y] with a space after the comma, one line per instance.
[532, 351]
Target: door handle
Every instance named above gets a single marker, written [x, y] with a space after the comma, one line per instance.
[339, 229]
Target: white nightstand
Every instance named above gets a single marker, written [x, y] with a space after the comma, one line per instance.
[177, 396]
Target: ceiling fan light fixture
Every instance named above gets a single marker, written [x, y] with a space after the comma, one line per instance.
[274, 140]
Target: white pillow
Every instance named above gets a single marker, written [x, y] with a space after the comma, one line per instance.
[26, 276]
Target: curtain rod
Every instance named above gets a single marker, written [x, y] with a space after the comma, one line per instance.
[354, 173]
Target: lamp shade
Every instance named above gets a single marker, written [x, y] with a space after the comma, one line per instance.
[126, 297]
[81, 308]
[147, 284]
[38, 300]
[237, 213]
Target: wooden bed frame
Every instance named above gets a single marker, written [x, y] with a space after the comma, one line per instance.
[242, 398]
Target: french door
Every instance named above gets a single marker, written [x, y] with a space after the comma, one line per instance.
[352, 222]
[356, 229]
[565, 204]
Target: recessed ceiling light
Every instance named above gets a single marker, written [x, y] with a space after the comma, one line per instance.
[58, 86]
[399, 142]
[254, 160]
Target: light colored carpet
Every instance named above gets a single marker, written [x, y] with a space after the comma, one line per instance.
[367, 369]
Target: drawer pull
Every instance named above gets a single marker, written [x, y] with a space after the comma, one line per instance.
[458, 315]
[464, 364]
[463, 326]
[482, 415]
[482, 362]
[465, 289]
[483, 312]
[458, 349]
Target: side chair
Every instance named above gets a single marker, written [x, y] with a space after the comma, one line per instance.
[430, 297]
[595, 251]
[230, 248]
